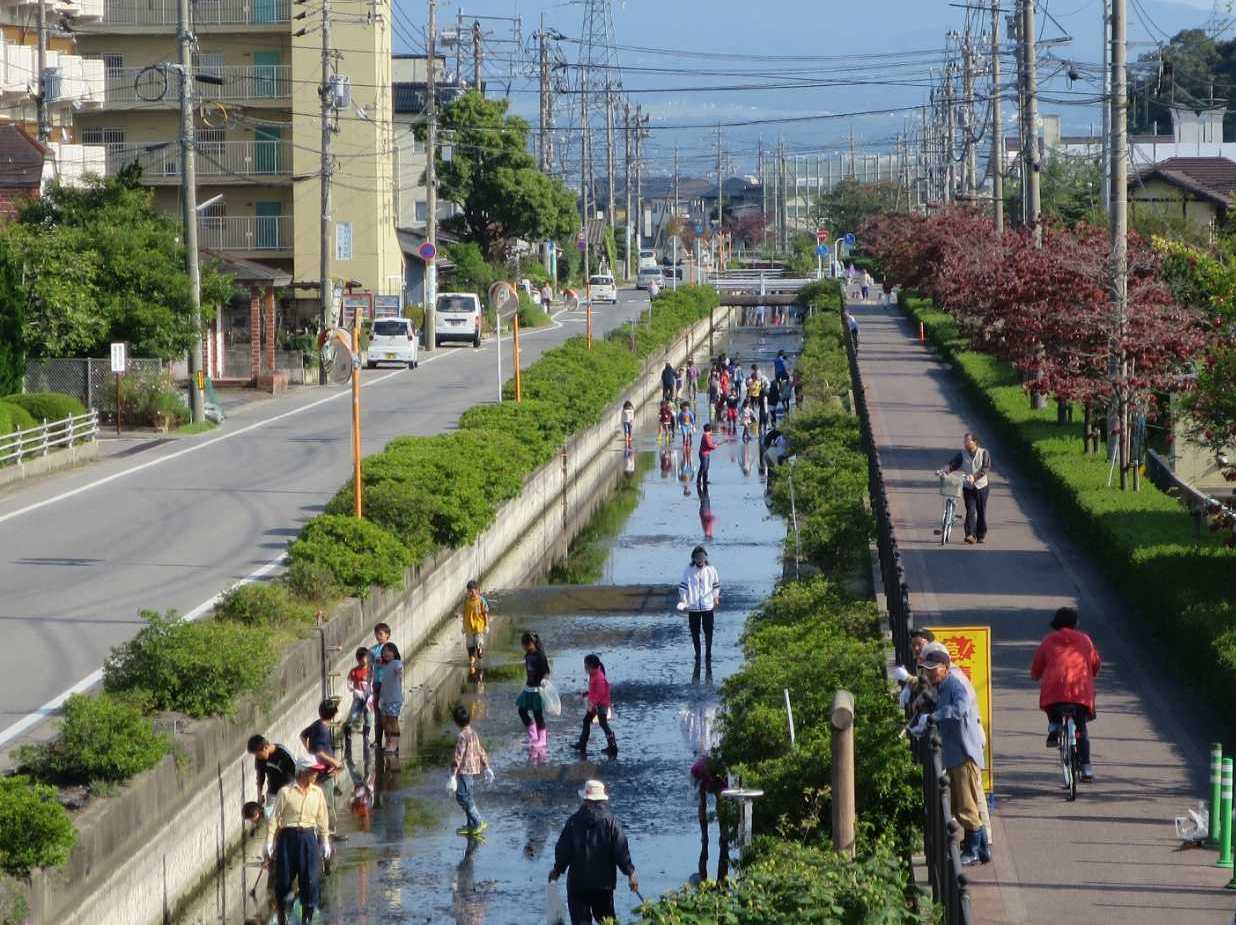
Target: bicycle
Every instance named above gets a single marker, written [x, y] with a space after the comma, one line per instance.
[951, 488]
[1070, 761]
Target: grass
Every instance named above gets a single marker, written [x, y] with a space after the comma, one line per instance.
[588, 551]
[200, 427]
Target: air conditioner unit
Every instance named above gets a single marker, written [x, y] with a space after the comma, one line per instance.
[340, 91]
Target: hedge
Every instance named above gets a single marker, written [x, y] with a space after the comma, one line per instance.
[102, 738]
[14, 417]
[1144, 541]
[35, 830]
[49, 406]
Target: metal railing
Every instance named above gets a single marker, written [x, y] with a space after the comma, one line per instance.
[205, 12]
[245, 232]
[259, 158]
[39, 441]
[940, 843]
[240, 82]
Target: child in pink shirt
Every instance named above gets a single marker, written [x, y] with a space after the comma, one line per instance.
[599, 703]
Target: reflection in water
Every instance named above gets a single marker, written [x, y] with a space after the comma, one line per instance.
[468, 905]
[707, 518]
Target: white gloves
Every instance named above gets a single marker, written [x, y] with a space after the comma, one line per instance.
[489, 775]
[452, 784]
[919, 727]
[268, 852]
[682, 605]
[327, 851]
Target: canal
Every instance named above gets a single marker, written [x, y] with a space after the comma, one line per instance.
[398, 857]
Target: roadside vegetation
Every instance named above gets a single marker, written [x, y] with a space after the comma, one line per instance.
[813, 636]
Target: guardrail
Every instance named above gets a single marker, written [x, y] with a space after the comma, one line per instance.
[245, 232]
[244, 158]
[39, 441]
[240, 82]
[216, 12]
[940, 843]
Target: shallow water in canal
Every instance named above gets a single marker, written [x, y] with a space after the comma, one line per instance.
[403, 862]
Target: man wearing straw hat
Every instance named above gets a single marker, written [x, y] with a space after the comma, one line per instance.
[591, 848]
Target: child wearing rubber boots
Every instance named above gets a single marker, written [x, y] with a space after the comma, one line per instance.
[598, 700]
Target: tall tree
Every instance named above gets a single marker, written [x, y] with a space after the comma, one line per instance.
[493, 179]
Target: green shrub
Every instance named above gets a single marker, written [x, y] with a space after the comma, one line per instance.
[35, 830]
[540, 427]
[49, 406]
[359, 553]
[262, 603]
[197, 668]
[102, 738]
[531, 315]
[785, 882]
[20, 418]
[147, 397]
[311, 581]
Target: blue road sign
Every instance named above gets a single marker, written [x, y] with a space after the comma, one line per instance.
[849, 240]
[822, 250]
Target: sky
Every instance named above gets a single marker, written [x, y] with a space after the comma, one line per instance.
[806, 67]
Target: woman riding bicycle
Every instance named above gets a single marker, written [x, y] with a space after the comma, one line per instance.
[1065, 666]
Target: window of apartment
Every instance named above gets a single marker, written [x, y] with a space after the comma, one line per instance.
[111, 62]
[422, 211]
[103, 136]
[343, 240]
[208, 62]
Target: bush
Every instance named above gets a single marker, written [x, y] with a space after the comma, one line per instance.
[785, 882]
[195, 668]
[14, 417]
[312, 582]
[49, 406]
[262, 603]
[102, 738]
[147, 398]
[35, 830]
[1178, 583]
[359, 553]
[531, 315]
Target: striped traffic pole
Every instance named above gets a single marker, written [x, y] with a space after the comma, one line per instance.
[1225, 817]
[1216, 794]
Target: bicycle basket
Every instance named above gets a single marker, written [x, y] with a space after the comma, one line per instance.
[951, 485]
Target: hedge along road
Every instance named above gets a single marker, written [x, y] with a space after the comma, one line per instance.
[1112, 855]
[85, 551]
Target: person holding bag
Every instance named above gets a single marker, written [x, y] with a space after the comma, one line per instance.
[529, 703]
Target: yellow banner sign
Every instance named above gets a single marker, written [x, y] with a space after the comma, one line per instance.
[969, 648]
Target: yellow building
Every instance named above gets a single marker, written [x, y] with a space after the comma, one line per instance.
[258, 129]
[1191, 192]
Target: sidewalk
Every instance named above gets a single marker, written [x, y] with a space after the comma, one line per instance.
[1111, 856]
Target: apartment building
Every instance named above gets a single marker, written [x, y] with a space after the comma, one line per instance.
[258, 128]
[72, 84]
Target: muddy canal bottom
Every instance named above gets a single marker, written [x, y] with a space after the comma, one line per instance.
[404, 863]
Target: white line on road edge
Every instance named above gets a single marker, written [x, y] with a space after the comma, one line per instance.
[86, 683]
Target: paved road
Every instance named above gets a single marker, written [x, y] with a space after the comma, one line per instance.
[1111, 856]
[173, 525]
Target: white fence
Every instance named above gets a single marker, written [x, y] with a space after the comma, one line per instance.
[38, 441]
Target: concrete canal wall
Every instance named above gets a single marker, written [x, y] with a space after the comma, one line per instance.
[146, 851]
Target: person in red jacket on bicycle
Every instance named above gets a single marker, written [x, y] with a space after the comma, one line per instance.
[1065, 666]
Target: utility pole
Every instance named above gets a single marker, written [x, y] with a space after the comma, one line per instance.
[997, 126]
[970, 179]
[639, 179]
[1107, 107]
[1118, 362]
[719, 178]
[41, 64]
[1030, 135]
[431, 175]
[476, 55]
[630, 229]
[543, 134]
[609, 152]
[950, 140]
[188, 188]
[585, 170]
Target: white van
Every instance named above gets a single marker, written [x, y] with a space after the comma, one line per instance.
[602, 288]
[647, 258]
[458, 318]
[647, 276]
[393, 340]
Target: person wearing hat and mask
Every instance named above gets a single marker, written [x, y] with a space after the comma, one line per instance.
[297, 840]
[956, 715]
[1065, 665]
[591, 848]
[699, 594]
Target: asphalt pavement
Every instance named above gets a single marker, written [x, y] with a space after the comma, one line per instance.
[1111, 856]
[173, 525]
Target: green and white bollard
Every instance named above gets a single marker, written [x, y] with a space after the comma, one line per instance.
[1225, 817]
[1216, 794]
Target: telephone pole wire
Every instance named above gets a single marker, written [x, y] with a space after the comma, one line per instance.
[188, 192]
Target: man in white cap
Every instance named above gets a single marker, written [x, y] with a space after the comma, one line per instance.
[591, 848]
[956, 715]
[297, 839]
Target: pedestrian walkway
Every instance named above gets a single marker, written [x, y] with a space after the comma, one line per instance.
[1111, 856]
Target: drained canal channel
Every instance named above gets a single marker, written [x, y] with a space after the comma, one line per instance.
[397, 856]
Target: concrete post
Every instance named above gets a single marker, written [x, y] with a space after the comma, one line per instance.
[1216, 793]
[841, 718]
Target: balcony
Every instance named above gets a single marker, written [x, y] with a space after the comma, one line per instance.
[249, 83]
[206, 13]
[245, 233]
[261, 161]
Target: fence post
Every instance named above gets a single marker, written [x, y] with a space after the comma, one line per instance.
[44, 436]
[841, 718]
[1225, 817]
[1216, 793]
